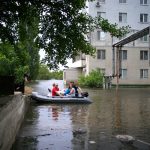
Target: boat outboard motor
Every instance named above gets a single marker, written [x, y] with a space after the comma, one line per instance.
[85, 94]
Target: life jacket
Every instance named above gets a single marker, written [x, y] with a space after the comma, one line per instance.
[76, 91]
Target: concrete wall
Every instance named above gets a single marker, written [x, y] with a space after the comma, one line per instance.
[11, 117]
[72, 74]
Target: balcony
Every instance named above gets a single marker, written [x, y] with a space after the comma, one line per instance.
[78, 64]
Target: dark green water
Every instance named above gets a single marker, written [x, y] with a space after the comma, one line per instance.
[87, 127]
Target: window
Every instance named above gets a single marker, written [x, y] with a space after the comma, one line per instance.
[123, 73]
[101, 1]
[122, 1]
[144, 55]
[123, 17]
[100, 54]
[100, 35]
[101, 70]
[123, 54]
[143, 2]
[143, 73]
[143, 17]
[101, 14]
[144, 38]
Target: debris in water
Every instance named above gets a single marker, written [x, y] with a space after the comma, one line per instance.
[92, 142]
[125, 139]
[129, 139]
[78, 131]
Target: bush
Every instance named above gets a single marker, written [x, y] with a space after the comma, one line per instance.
[46, 74]
[12, 63]
[94, 79]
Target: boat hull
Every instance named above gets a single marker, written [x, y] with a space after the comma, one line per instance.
[57, 99]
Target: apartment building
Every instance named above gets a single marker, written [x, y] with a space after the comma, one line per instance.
[134, 56]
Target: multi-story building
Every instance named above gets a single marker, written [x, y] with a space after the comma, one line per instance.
[135, 56]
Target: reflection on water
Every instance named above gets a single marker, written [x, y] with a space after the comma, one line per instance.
[88, 127]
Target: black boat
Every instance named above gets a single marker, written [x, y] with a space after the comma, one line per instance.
[59, 99]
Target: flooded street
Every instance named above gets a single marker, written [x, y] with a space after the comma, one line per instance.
[87, 126]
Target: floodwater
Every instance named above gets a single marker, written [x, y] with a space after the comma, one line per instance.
[88, 126]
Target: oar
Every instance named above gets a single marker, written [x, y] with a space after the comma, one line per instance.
[129, 139]
[49, 90]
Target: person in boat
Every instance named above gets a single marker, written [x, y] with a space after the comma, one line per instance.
[67, 91]
[55, 90]
[76, 88]
[72, 90]
[57, 86]
[64, 92]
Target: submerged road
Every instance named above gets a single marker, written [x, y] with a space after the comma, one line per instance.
[87, 127]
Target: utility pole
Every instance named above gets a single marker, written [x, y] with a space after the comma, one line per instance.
[117, 68]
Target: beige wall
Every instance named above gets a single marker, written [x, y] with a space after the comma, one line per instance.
[93, 63]
[71, 74]
[133, 64]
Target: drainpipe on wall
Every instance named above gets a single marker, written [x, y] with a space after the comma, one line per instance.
[149, 45]
[113, 58]
[117, 68]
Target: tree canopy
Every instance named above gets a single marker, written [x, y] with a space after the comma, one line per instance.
[60, 27]
[46, 74]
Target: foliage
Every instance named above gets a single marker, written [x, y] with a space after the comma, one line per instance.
[19, 48]
[61, 30]
[45, 74]
[7, 59]
[19, 73]
[56, 75]
[94, 79]
[28, 30]
[113, 29]
[62, 27]
[13, 62]
[5, 66]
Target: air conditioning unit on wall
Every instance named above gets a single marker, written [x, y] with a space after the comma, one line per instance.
[98, 4]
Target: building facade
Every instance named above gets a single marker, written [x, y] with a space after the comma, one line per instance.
[134, 56]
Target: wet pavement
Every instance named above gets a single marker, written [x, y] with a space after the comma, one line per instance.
[88, 127]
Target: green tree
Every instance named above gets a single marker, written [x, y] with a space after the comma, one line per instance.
[62, 26]
[22, 40]
[28, 31]
[7, 59]
[46, 74]
[113, 29]
[56, 75]
[13, 61]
